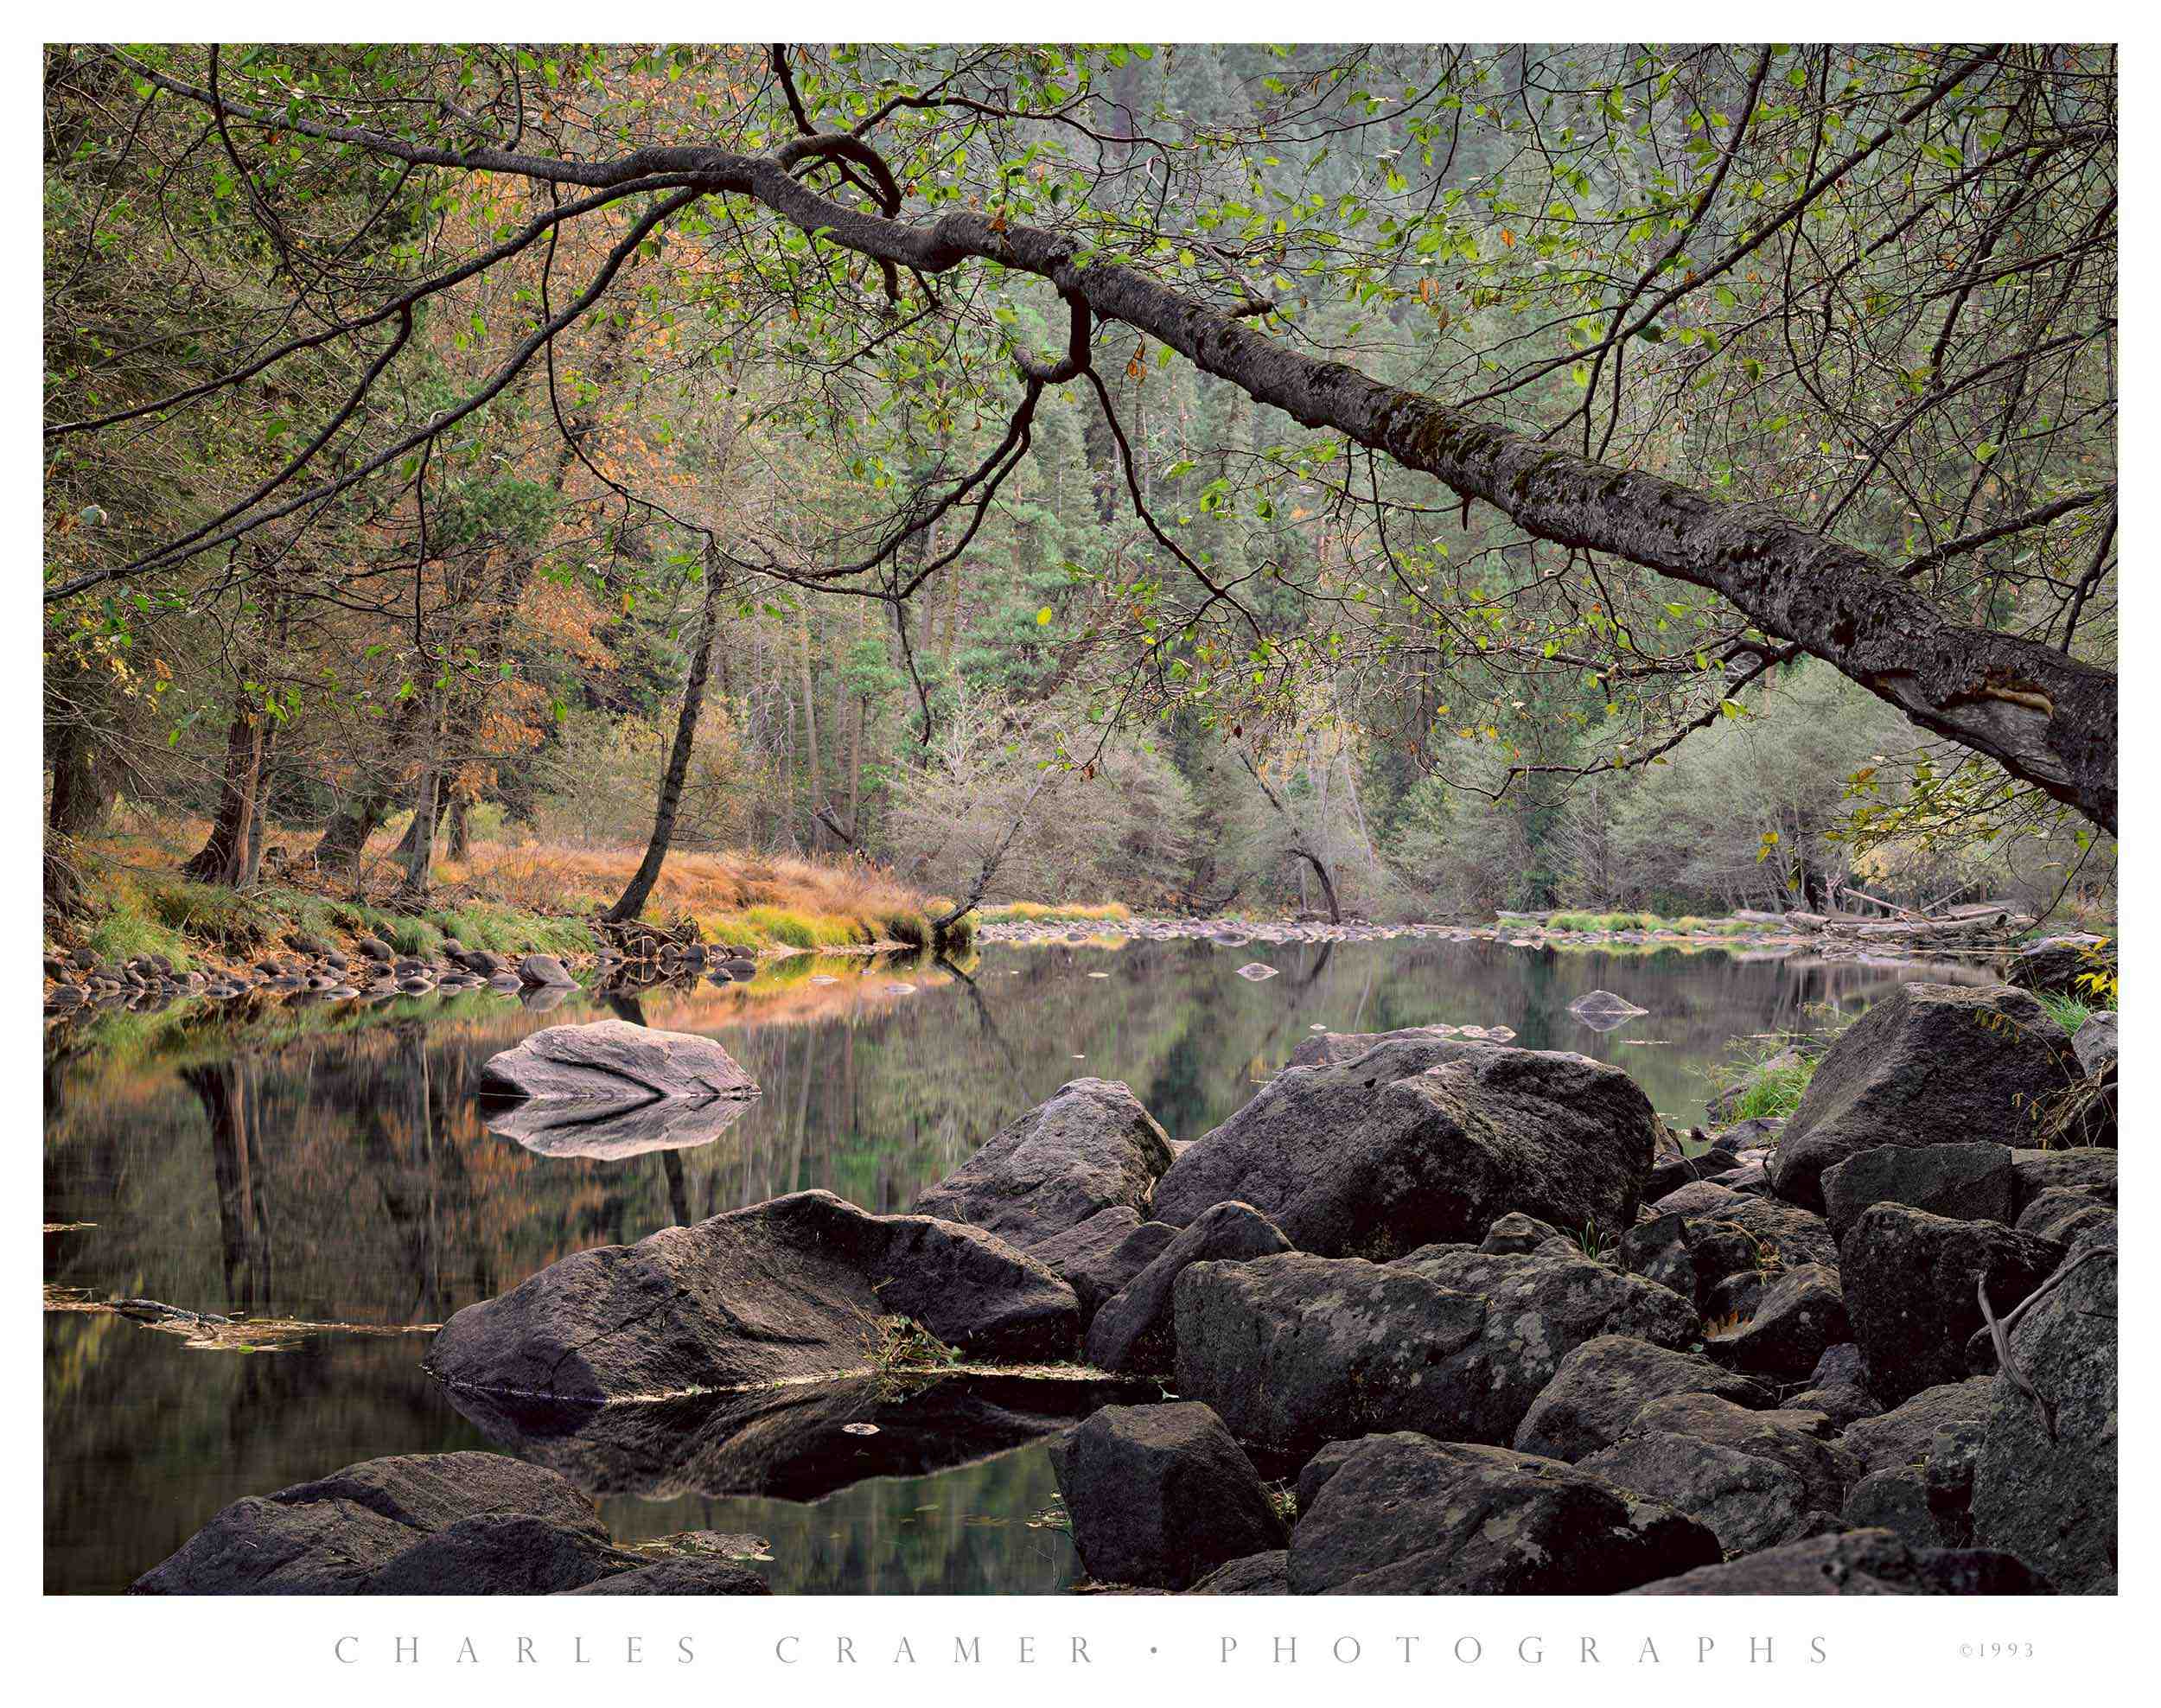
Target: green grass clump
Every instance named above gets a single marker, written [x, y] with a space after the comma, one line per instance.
[2068, 1012]
[131, 925]
[1775, 1089]
[910, 928]
[512, 931]
[787, 927]
[1605, 922]
[1069, 912]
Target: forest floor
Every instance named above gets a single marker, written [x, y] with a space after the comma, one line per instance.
[511, 898]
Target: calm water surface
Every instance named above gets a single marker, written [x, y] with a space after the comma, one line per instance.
[331, 1165]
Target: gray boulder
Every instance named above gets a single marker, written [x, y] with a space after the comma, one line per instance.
[1296, 1350]
[2094, 1044]
[1803, 1443]
[1100, 1257]
[1161, 1496]
[1844, 1402]
[341, 1534]
[1137, 1330]
[1404, 1514]
[2045, 1483]
[1599, 1387]
[2090, 1168]
[679, 1577]
[2055, 965]
[613, 1061]
[500, 1554]
[787, 1289]
[1800, 1315]
[1267, 1574]
[1422, 1139]
[1966, 1183]
[1905, 1435]
[1929, 1064]
[1091, 1147]
[1857, 1563]
[1746, 1500]
[2064, 1216]
[1910, 1281]
[1516, 1232]
[1897, 1499]
[544, 970]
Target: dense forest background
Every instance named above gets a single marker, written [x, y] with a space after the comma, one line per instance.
[1184, 654]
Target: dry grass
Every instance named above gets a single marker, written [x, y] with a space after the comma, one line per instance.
[734, 896]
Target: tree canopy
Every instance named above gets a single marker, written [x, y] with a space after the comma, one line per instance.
[1520, 410]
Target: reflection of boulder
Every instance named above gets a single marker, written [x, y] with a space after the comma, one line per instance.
[1602, 1011]
[793, 1444]
[610, 1131]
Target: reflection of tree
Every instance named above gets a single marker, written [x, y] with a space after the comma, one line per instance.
[228, 1092]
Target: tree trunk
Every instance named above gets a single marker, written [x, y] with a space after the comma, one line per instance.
[810, 721]
[83, 788]
[224, 857]
[632, 902]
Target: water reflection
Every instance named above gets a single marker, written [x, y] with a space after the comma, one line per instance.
[333, 1162]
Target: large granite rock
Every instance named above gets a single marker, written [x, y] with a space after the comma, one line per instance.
[1903, 1435]
[1267, 1574]
[467, 1517]
[1404, 1514]
[1421, 1139]
[1747, 1501]
[1136, 1331]
[1910, 1281]
[1097, 1259]
[1161, 1496]
[1929, 1064]
[680, 1577]
[1800, 1315]
[784, 1290]
[2044, 1484]
[1857, 1563]
[1966, 1183]
[1803, 1443]
[2055, 965]
[1602, 1385]
[1296, 1350]
[1090, 1148]
[613, 1061]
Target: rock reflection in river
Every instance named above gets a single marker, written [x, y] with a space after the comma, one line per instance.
[790, 1443]
[611, 1132]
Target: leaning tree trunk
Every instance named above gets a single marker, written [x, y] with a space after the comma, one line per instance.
[633, 900]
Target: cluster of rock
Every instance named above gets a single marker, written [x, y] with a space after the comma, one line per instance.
[1470, 1305]
[306, 967]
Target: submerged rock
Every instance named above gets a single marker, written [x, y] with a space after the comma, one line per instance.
[785, 1290]
[1404, 1514]
[1421, 1139]
[1091, 1147]
[1160, 1495]
[1602, 1011]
